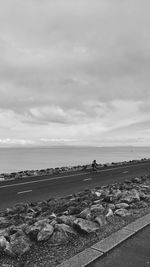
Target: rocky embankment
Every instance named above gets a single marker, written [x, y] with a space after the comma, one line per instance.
[51, 171]
[45, 233]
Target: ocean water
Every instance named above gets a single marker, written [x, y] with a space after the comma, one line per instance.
[17, 159]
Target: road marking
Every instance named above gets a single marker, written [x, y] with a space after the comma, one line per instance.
[125, 172]
[67, 176]
[87, 179]
[23, 192]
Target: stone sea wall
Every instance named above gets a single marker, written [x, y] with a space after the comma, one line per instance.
[51, 171]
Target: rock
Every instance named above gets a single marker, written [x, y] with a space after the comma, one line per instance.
[108, 198]
[69, 220]
[97, 208]
[45, 233]
[53, 222]
[59, 237]
[18, 246]
[66, 228]
[32, 231]
[100, 220]
[20, 208]
[42, 222]
[97, 193]
[116, 194]
[73, 210]
[130, 196]
[4, 222]
[85, 214]
[3, 243]
[109, 213]
[7, 265]
[5, 232]
[122, 206]
[52, 216]
[85, 225]
[144, 186]
[97, 201]
[122, 212]
[138, 205]
[111, 206]
[147, 198]
[136, 180]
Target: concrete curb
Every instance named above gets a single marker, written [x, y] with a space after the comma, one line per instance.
[99, 249]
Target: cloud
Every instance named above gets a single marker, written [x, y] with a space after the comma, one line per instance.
[79, 69]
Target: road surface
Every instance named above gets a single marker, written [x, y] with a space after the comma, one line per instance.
[45, 187]
[134, 252]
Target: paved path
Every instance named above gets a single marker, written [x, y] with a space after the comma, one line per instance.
[134, 252]
[40, 188]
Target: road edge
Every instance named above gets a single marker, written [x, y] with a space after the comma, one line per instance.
[102, 247]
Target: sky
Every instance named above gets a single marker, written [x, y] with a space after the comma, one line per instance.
[74, 72]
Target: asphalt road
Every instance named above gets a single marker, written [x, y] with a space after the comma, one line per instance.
[41, 188]
[134, 252]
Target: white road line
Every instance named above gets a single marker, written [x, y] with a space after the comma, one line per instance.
[125, 172]
[67, 176]
[87, 179]
[23, 192]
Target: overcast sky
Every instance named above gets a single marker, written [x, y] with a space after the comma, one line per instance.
[74, 72]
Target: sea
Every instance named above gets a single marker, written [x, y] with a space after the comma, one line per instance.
[35, 158]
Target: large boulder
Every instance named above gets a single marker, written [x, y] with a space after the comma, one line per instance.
[85, 225]
[45, 233]
[59, 237]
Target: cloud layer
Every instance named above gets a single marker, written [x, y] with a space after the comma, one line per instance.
[74, 72]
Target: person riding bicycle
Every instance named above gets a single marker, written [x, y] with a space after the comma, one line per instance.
[94, 165]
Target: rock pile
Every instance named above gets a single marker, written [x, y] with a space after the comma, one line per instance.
[59, 220]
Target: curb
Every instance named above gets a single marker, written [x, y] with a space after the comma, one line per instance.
[99, 249]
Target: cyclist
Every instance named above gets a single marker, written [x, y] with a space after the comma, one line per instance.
[94, 165]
